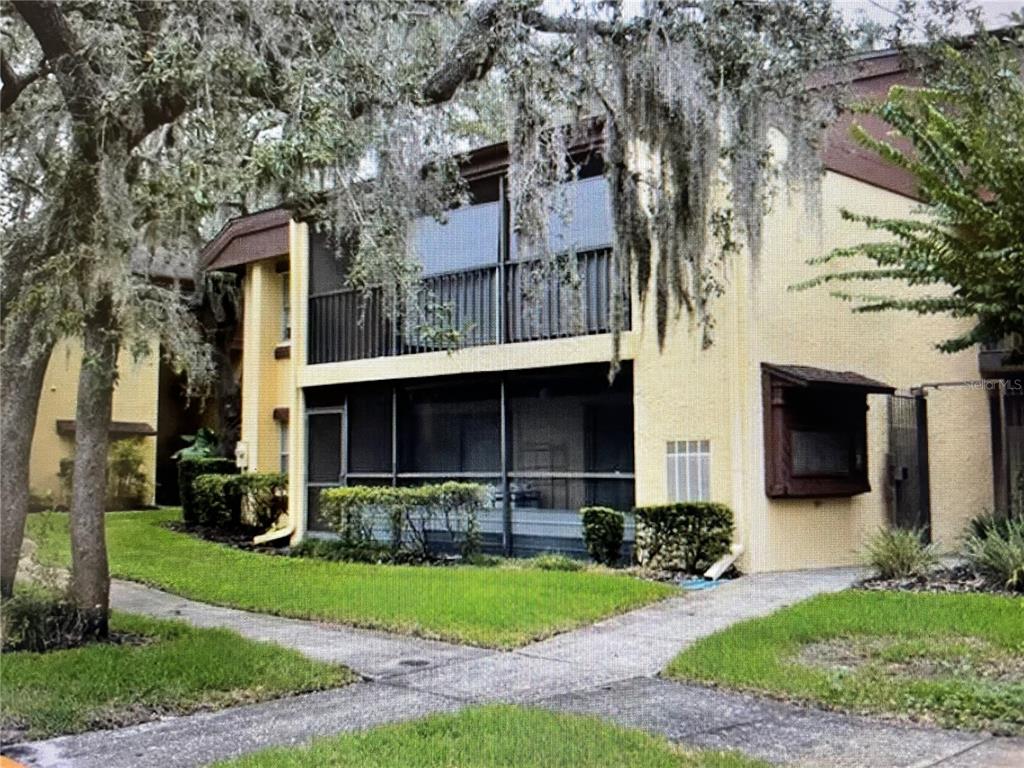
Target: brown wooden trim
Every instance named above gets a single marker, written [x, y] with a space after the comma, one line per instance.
[281, 415]
[779, 422]
[283, 351]
[247, 239]
[66, 428]
[282, 267]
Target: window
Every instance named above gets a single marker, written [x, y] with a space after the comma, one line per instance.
[282, 431]
[815, 428]
[689, 470]
[286, 308]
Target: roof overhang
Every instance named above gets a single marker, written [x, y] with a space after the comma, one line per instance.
[118, 429]
[807, 376]
[246, 239]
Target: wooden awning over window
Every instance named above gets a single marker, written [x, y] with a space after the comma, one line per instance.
[807, 376]
[281, 415]
[118, 429]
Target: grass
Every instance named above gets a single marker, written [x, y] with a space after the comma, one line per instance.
[493, 607]
[171, 669]
[953, 659]
[493, 736]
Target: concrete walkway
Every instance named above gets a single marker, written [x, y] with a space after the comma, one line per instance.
[606, 669]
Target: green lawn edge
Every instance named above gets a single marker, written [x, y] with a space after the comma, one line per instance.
[757, 656]
[491, 737]
[488, 607]
[177, 669]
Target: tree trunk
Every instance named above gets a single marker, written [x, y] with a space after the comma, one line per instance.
[21, 381]
[90, 577]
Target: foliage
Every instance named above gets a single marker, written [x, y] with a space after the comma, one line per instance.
[930, 636]
[981, 525]
[204, 444]
[227, 501]
[997, 553]
[897, 553]
[36, 620]
[492, 607]
[217, 501]
[551, 561]
[602, 533]
[966, 131]
[151, 669]
[689, 535]
[495, 736]
[341, 550]
[188, 471]
[408, 514]
[127, 484]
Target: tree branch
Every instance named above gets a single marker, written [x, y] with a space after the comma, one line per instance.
[14, 83]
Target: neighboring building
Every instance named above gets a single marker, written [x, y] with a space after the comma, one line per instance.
[816, 425]
[148, 406]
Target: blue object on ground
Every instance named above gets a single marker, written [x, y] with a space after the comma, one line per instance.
[696, 584]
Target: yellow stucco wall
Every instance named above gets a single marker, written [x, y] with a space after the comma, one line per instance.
[683, 392]
[266, 380]
[135, 399]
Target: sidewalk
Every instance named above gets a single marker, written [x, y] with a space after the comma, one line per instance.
[607, 669]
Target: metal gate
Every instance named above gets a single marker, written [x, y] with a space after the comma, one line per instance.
[908, 463]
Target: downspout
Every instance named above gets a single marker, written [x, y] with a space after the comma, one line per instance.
[277, 534]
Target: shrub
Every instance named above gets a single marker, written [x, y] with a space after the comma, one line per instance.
[226, 501]
[127, 484]
[408, 515]
[998, 554]
[981, 526]
[552, 561]
[218, 503]
[37, 621]
[897, 553]
[335, 549]
[189, 470]
[688, 536]
[602, 533]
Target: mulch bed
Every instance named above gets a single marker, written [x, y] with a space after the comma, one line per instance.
[240, 538]
[956, 579]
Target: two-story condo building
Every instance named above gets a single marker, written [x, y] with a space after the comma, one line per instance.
[815, 424]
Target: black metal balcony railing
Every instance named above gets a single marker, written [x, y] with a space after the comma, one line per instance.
[495, 304]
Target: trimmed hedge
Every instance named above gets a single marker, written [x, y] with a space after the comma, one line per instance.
[602, 533]
[222, 501]
[407, 513]
[688, 536]
[188, 471]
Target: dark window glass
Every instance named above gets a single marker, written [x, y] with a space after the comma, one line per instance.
[324, 447]
[453, 428]
[369, 431]
[326, 270]
[571, 422]
[821, 453]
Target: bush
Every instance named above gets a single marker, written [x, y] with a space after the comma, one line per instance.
[127, 484]
[897, 553]
[408, 515]
[981, 526]
[189, 470]
[552, 561]
[337, 550]
[997, 555]
[218, 503]
[602, 533]
[38, 621]
[688, 536]
[226, 501]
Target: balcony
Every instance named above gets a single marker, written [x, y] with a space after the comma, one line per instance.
[472, 294]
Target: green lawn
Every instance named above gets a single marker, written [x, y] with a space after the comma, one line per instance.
[956, 660]
[495, 737]
[173, 669]
[492, 607]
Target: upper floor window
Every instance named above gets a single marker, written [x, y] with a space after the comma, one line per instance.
[286, 308]
[815, 427]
